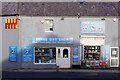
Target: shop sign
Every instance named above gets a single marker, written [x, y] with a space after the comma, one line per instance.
[75, 54]
[13, 53]
[93, 27]
[40, 40]
[107, 52]
[27, 53]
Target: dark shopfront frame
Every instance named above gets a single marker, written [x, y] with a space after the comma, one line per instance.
[53, 46]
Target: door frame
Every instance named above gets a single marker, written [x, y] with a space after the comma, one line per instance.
[114, 58]
[61, 56]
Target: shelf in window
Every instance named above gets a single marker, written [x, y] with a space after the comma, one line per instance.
[45, 55]
[41, 55]
[38, 51]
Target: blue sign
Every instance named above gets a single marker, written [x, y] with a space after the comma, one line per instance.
[13, 53]
[75, 53]
[93, 27]
[40, 40]
[27, 53]
[107, 52]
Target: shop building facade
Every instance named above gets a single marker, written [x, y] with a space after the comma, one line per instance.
[34, 41]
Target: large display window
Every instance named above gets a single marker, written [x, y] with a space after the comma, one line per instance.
[92, 52]
[45, 55]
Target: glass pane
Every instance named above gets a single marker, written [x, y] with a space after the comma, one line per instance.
[45, 55]
[114, 52]
[48, 25]
[65, 53]
[58, 53]
[114, 62]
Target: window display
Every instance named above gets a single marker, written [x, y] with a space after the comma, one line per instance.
[92, 52]
[45, 55]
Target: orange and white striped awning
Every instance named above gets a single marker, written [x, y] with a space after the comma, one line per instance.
[11, 24]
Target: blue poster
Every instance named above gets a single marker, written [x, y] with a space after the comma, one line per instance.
[92, 27]
[107, 52]
[41, 40]
[75, 53]
[27, 53]
[13, 53]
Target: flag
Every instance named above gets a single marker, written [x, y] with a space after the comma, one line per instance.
[11, 24]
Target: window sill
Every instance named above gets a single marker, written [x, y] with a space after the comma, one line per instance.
[48, 31]
[44, 63]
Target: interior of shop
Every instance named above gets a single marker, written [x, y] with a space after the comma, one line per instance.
[92, 52]
[45, 55]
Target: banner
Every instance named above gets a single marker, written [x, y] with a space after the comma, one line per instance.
[13, 53]
[27, 53]
[75, 54]
[40, 40]
[107, 52]
[11, 23]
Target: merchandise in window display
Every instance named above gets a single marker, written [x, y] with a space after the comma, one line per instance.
[45, 55]
[92, 52]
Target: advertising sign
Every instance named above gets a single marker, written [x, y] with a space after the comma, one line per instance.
[13, 53]
[107, 52]
[93, 27]
[40, 40]
[75, 54]
[27, 53]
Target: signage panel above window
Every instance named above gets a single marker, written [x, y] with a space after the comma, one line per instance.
[96, 27]
[40, 40]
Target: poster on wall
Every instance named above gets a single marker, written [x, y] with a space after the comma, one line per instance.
[107, 52]
[92, 27]
[75, 54]
[27, 53]
[13, 53]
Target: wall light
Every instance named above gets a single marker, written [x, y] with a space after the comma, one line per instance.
[114, 20]
[42, 22]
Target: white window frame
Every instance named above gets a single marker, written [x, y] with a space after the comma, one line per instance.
[53, 24]
[114, 57]
[40, 63]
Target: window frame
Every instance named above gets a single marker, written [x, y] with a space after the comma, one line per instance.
[45, 23]
[41, 63]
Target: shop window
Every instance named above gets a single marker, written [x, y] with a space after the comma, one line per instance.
[65, 53]
[48, 25]
[45, 55]
[92, 52]
[114, 52]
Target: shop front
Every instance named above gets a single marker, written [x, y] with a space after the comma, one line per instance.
[93, 45]
[93, 52]
[56, 51]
